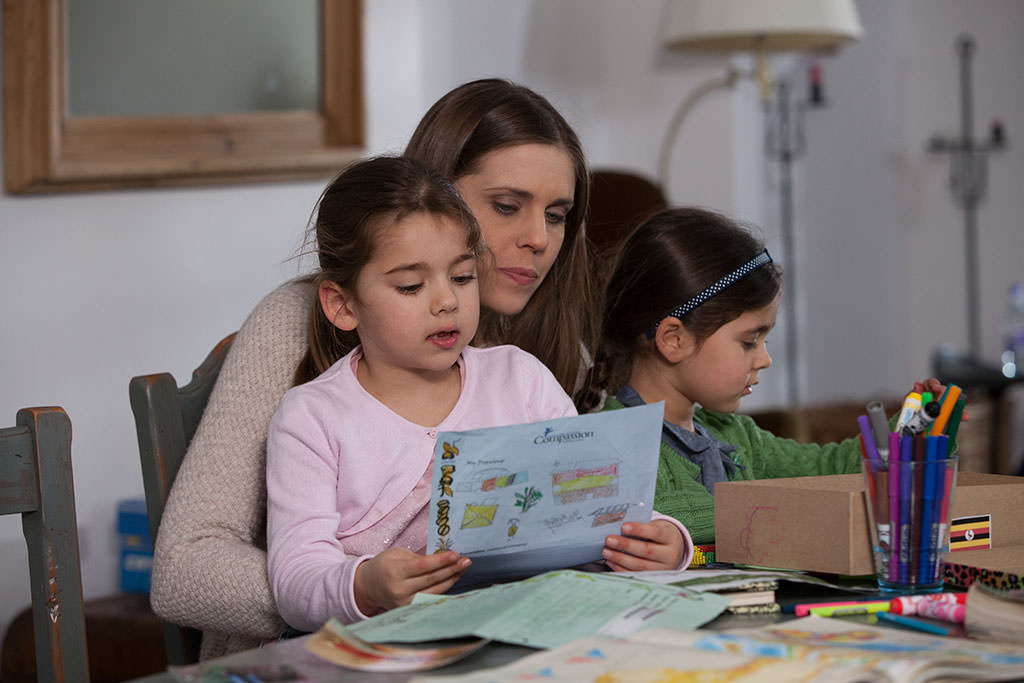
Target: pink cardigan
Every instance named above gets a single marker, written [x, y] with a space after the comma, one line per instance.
[348, 478]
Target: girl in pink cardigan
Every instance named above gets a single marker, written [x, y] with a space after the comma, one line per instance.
[349, 454]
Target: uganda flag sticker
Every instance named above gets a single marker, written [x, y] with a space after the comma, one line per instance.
[970, 533]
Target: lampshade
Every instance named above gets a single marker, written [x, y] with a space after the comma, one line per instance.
[760, 25]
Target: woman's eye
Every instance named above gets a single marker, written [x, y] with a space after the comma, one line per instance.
[749, 345]
[554, 218]
[408, 289]
[504, 209]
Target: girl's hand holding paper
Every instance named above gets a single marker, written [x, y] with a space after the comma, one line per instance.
[657, 545]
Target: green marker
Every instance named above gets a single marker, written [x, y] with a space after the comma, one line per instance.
[954, 424]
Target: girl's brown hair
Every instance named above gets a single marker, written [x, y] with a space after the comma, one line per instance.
[557, 325]
[362, 200]
[665, 261]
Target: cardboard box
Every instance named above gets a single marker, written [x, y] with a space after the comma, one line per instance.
[819, 523]
[999, 568]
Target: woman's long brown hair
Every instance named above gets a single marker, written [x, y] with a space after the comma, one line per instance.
[558, 324]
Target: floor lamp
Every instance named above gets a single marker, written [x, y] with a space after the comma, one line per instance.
[759, 27]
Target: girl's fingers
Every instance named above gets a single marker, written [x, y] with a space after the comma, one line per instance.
[431, 578]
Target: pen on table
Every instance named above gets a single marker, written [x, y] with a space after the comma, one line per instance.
[949, 398]
[911, 404]
[909, 604]
[915, 624]
[950, 612]
[879, 428]
[803, 609]
[850, 610]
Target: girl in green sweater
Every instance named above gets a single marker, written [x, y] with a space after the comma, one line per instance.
[687, 309]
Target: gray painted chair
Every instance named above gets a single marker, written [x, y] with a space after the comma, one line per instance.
[36, 482]
[166, 418]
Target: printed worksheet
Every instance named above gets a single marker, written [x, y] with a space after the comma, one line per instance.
[525, 499]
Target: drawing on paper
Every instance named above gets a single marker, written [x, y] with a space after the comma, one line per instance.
[609, 514]
[500, 481]
[513, 526]
[583, 483]
[763, 525]
[476, 516]
[528, 498]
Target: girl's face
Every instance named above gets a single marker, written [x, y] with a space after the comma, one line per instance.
[416, 303]
[725, 368]
[520, 195]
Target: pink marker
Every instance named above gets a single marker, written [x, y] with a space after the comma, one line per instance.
[942, 610]
[911, 604]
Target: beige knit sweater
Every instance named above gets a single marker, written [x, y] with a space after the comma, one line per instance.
[210, 564]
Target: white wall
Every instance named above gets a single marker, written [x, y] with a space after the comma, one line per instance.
[99, 287]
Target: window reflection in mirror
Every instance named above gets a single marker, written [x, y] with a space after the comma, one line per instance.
[192, 57]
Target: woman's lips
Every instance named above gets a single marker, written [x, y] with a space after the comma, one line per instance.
[521, 276]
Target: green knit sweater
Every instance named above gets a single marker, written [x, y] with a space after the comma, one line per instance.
[763, 455]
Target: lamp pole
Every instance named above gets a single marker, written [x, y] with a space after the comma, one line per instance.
[784, 142]
[967, 178]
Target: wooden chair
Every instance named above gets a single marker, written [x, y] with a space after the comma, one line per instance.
[166, 418]
[36, 482]
[619, 200]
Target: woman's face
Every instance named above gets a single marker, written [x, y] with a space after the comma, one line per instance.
[520, 195]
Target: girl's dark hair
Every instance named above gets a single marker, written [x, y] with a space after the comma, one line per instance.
[356, 206]
[557, 325]
[664, 262]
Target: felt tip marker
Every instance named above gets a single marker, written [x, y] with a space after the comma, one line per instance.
[911, 404]
[914, 624]
[868, 446]
[946, 611]
[949, 398]
[879, 427]
[909, 604]
[866, 607]
[803, 609]
[919, 423]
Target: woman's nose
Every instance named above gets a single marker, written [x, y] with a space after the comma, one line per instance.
[534, 233]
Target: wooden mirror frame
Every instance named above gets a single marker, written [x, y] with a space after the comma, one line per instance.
[46, 150]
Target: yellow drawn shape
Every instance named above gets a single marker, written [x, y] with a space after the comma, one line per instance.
[588, 482]
[477, 516]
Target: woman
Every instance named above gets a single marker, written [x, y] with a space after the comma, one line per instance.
[521, 169]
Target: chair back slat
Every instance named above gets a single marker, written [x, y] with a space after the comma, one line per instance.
[166, 419]
[37, 481]
[18, 492]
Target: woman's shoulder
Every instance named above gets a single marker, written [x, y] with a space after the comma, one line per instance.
[291, 301]
[278, 325]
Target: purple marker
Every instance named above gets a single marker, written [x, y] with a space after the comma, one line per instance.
[894, 506]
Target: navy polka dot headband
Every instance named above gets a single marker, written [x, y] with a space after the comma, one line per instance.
[705, 294]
